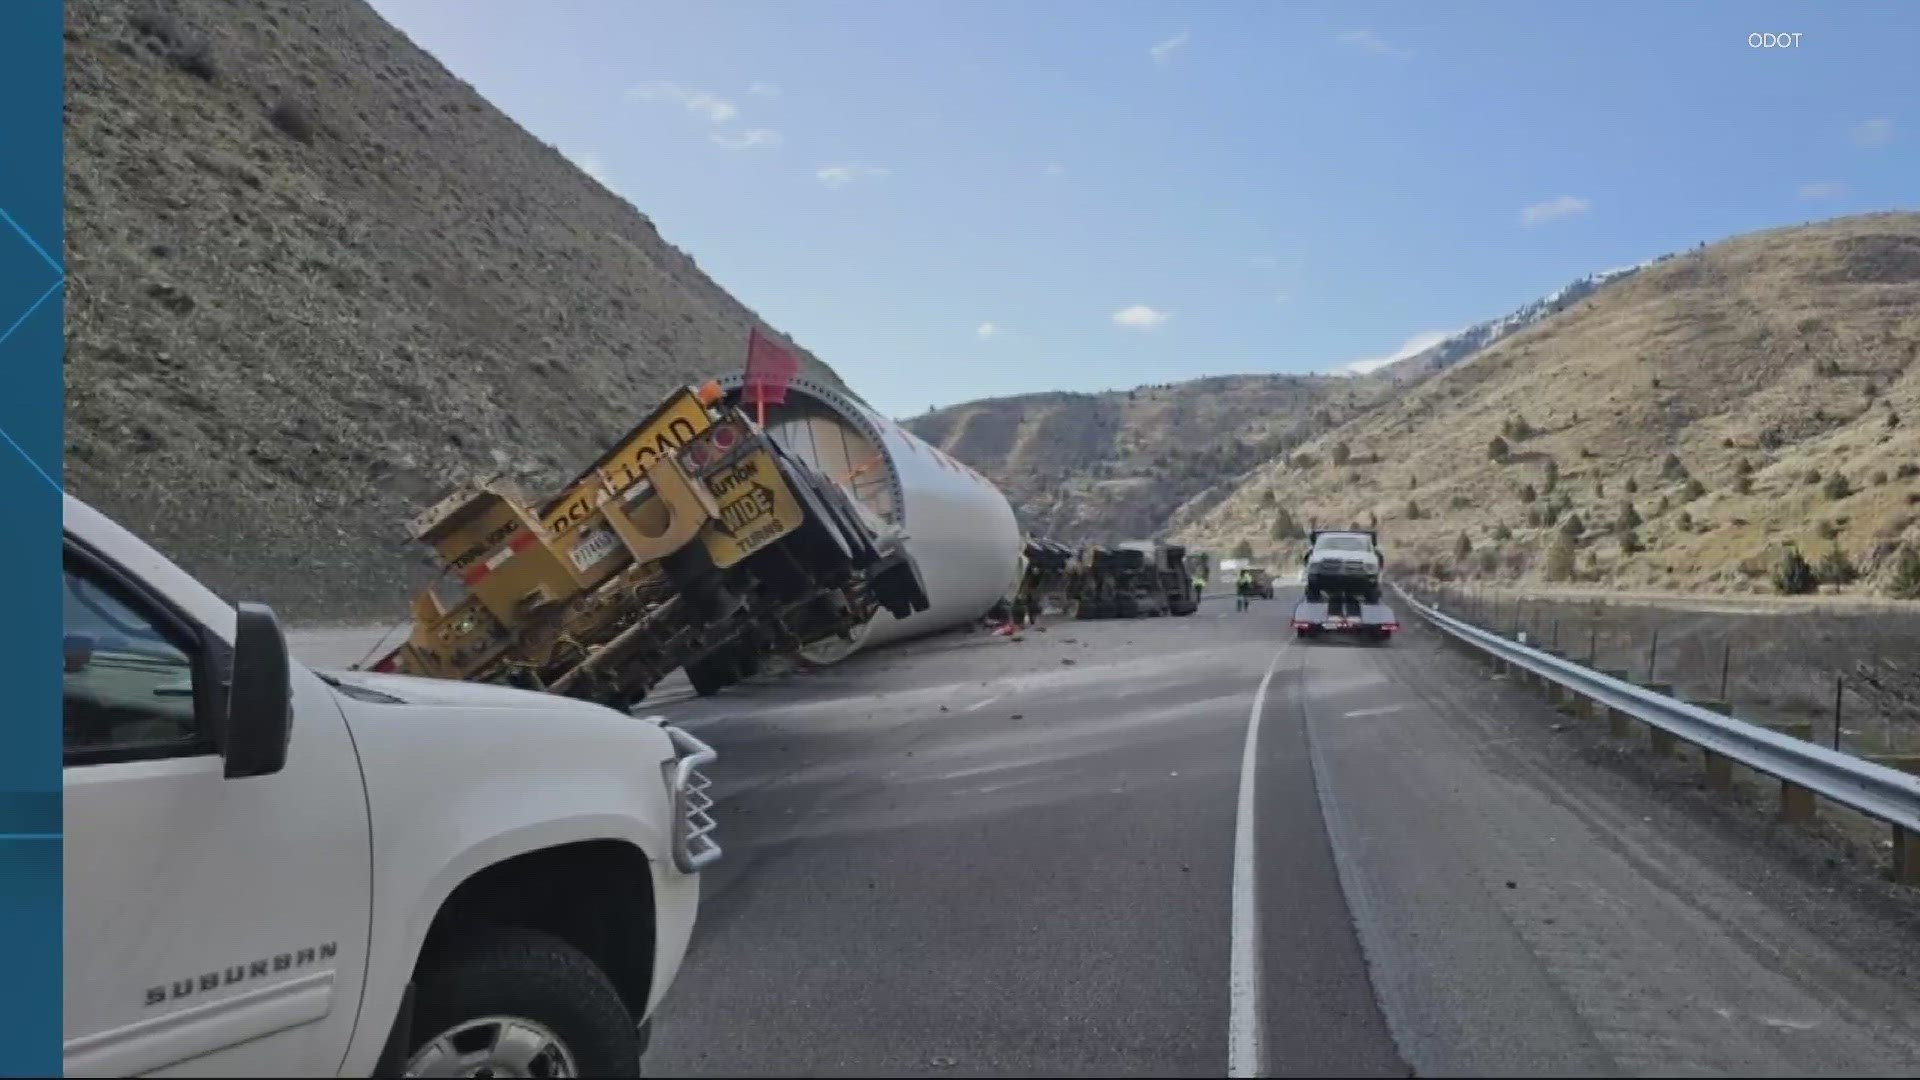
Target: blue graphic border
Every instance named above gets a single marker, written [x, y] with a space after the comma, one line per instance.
[32, 309]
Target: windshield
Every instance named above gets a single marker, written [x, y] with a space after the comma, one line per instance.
[1344, 543]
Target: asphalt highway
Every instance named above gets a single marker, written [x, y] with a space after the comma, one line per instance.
[1195, 847]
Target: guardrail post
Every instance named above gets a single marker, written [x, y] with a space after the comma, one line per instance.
[1906, 856]
[1663, 740]
[1796, 803]
[1719, 767]
[1557, 695]
[1619, 724]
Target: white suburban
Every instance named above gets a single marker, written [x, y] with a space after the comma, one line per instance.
[277, 872]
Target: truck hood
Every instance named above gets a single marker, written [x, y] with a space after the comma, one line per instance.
[453, 694]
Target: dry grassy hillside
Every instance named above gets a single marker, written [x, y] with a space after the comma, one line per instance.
[1118, 465]
[1793, 351]
[314, 277]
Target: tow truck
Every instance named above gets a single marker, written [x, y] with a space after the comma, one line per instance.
[1343, 603]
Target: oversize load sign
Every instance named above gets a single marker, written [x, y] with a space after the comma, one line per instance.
[673, 427]
[756, 509]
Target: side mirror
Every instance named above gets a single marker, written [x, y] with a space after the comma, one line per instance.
[260, 699]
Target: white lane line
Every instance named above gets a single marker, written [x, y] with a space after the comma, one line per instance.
[984, 704]
[1380, 711]
[1243, 973]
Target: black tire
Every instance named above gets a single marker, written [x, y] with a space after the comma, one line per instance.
[531, 975]
[711, 674]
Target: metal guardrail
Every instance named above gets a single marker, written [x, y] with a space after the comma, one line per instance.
[1870, 788]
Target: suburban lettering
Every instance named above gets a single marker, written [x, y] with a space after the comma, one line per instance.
[239, 973]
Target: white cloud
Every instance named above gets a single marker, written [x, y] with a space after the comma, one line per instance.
[1873, 132]
[987, 330]
[702, 103]
[838, 176]
[1282, 298]
[1554, 209]
[593, 165]
[747, 140]
[1140, 317]
[1164, 51]
[1418, 343]
[1823, 189]
[761, 89]
[1055, 169]
[1368, 41]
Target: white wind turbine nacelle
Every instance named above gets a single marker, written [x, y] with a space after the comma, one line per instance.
[956, 524]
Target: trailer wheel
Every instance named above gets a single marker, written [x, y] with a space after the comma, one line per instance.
[713, 673]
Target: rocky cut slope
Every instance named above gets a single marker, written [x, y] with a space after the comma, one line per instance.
[1119, 465]
[1679, 427]
[316, 278]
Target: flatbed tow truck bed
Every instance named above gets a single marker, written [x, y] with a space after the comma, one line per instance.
[1345, 615]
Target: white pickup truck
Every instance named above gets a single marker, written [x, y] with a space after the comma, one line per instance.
[275, 872]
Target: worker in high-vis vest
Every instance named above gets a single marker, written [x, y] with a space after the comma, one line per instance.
[1244, 591]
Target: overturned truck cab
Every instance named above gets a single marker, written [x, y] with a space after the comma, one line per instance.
[696, 542]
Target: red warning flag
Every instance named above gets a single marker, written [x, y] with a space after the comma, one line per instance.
[769, 369]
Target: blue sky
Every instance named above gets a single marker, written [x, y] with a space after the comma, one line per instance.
[962, 199]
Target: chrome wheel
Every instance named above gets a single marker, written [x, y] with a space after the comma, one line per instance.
[494, 1046]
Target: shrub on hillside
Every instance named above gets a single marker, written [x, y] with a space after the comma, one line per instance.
[1630, 543]
[1553, 477]
[1243, 550]
[1672, 469]
[1285, 528]
[1533, 517]
[1906, 576]
[1812, 476]
[1836, 569]
[1792, 576]
[1879, 477]
[1573, 527]
[1462, 548]
[1497, 449]
[1837, 487]
[1342, 453]
[1743, 484]
[1501, 532]
[1527, 494]
[1413, 510]
[1459, 502]
[1633, 486]
[1629, 518]
[1560, 559]
[293, 120]
[1694, 489]
[1907, 470]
